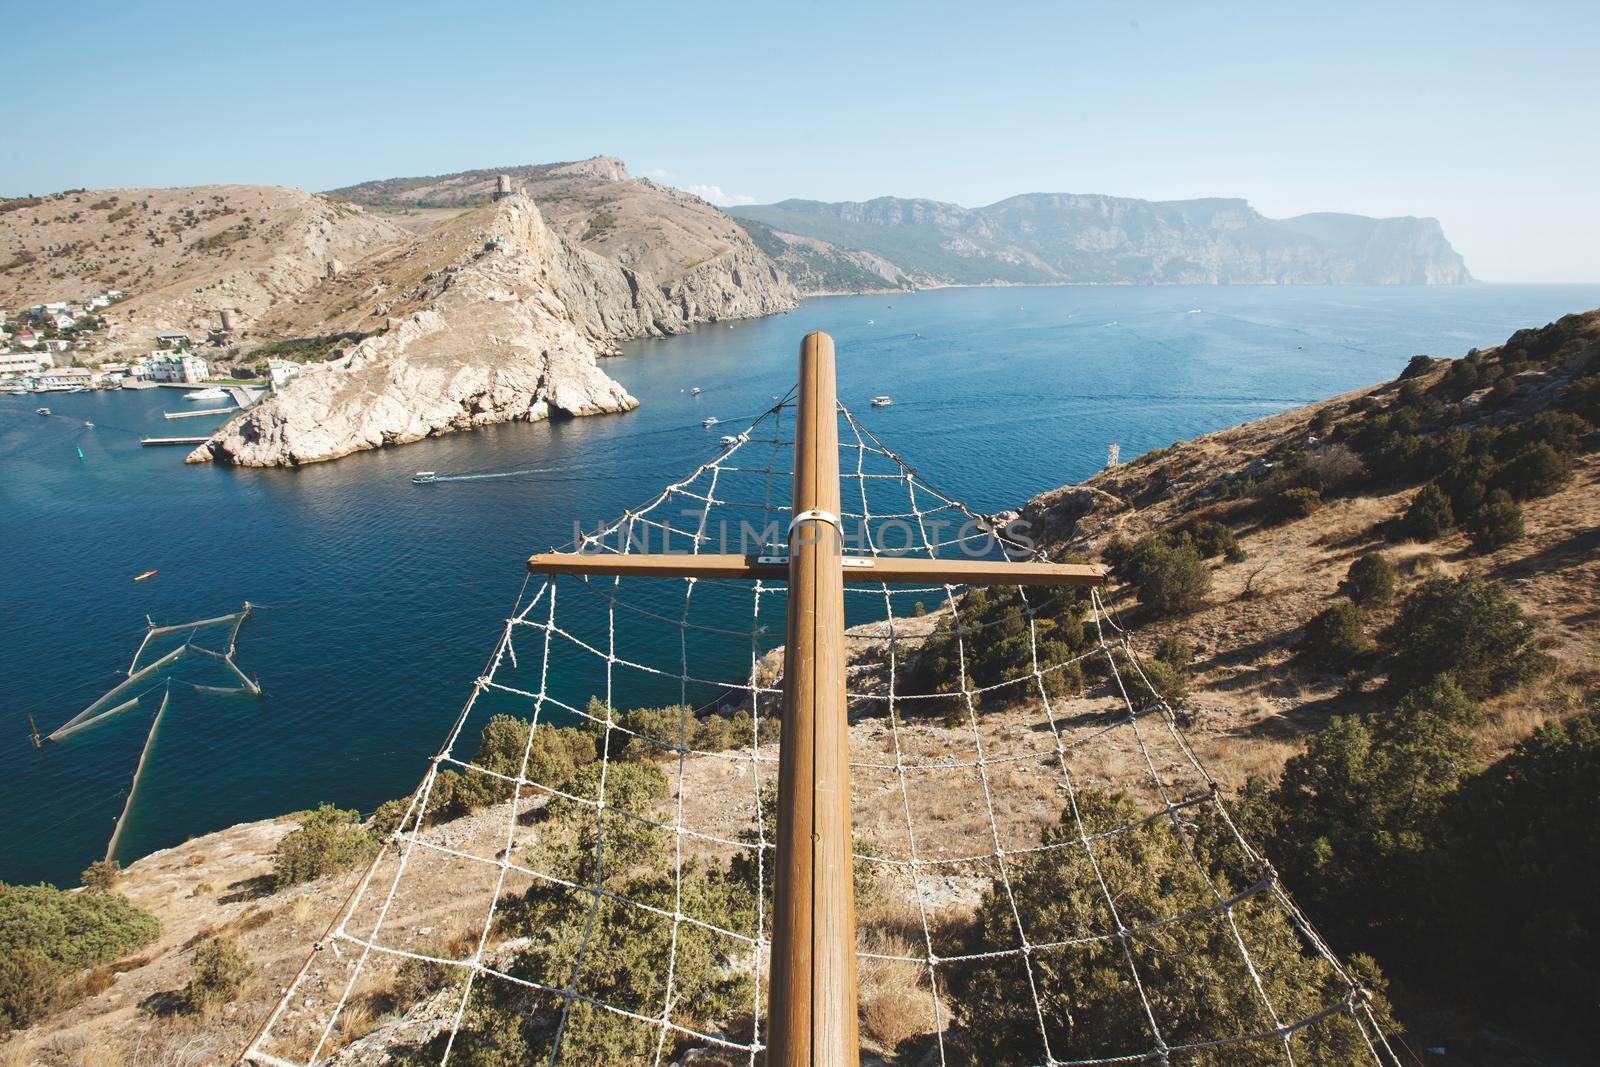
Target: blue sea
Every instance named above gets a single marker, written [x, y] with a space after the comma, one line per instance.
[380, 599]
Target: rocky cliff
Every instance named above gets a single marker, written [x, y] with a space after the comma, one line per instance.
[492, 317]
[701, 263]
[1043, 238]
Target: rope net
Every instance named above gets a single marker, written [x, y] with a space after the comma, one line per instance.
[1045, 873]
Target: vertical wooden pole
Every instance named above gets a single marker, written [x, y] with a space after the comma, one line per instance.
[812, 1018]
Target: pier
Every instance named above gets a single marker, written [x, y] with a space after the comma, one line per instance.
[196, 414]
[153, 442]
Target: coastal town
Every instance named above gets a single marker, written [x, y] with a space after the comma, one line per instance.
[57, 347]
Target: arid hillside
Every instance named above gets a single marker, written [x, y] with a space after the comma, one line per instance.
[1264, 521]
[702, 261]
[180, 256]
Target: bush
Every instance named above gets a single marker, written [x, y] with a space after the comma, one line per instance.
[1537, 471]
[1520, 869]
[217, 972]
[999, 644]
[101, 875]
[76, 930]
[1169, 578]
[1332, 468]
[1429, 517]
[1300, 502]
[1350, 819]
[328, 840]
[1087, 1004]
[1155, 682]
[1333, 638]
[1370, 581]
[1496, 524]
[29, 984]
[1212, 539]
[1469, 627]
[625, 949]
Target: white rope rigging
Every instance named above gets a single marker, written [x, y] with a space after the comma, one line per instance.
[1026, 731]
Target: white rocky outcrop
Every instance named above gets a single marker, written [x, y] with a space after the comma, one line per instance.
[510, 330]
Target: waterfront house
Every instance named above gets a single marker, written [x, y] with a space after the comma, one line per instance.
[282, 370]
[175, 367]
[25, 338]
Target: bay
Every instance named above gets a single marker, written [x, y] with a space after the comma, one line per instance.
[380, 599]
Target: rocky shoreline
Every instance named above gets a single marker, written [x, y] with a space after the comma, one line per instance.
[506, 321]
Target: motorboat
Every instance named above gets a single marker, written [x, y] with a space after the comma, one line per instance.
[694, 391]
[424, 477]
[729, 440]
[41, 411]
[206, 394]
[145, 576]
[882, 401]
[711, 421]
[88, 425]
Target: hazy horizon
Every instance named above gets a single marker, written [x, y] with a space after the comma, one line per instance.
[1469, 114]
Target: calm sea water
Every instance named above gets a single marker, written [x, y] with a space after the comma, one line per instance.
[382, 599]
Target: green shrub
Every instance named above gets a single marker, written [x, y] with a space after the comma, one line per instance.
[1155, 682]
[1415, 367]
[999, 647]
[75, 930]
[328, 840]
[626, 949]
[1497, 523]
[101, 875]
[1520, 868]
[1088, 1006]
[30, 983]
[1537, 471]
[1469, 627]
[1429, 517]
[1370, 581]
[1333, 638]
[1300, 502]
[1169, 578]
[1350, 819]
[216, 974]
[1213, 539]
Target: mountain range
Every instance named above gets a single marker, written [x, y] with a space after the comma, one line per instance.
[1045, 238]
[898, 243]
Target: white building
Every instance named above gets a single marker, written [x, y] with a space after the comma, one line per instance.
[65, 378]
[172, 367]
[282, 370]
[18, 363]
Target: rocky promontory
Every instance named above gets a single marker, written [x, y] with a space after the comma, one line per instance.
[504, 320]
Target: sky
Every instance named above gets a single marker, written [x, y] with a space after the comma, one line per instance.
[1481, 115]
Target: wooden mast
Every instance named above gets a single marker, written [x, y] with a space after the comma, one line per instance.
[812, 990]
[812, 1011]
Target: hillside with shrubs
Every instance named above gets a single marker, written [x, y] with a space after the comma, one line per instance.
[1374, 619]
[1378, 617]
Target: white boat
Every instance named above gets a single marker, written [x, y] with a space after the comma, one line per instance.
[882, 401]
[424, 477]
[729, 440]
[41, 411]
[712, 421]
[206, 394]
[1194, 311]
[695, 391]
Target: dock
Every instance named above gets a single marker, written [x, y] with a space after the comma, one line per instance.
[196, 414]
[152, 442]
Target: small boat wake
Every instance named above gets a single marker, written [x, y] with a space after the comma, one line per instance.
[428, 477]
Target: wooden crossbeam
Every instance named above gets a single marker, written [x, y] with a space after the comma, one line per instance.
[865, 570]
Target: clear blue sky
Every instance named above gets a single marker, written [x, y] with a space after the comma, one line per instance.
[1482, 115]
